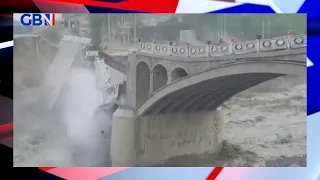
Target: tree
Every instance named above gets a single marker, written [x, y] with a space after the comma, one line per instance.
[99, 25]
[95, 23]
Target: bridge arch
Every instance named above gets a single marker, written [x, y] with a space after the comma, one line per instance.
[160, 76]
[143, 82]
[178, 73]
[209, 89]
[145, 61]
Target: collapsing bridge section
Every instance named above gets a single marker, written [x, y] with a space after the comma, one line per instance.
[60, 69]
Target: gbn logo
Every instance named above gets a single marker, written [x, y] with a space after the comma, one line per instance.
[37, 19]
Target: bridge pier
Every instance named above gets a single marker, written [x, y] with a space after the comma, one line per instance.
[179, 139]
[170, 140]
[123, 138]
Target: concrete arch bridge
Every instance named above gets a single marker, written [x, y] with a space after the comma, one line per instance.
[173, 91]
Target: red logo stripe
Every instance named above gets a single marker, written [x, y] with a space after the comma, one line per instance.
[214, 174]
[53, 19]
[46, 168]
[6, 130]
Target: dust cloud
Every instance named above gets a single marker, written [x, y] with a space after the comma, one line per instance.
[76, 132]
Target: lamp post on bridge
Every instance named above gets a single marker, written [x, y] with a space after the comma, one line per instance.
[135, 29]
[208, 48]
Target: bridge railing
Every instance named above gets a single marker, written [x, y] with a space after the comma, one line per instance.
[210, 50]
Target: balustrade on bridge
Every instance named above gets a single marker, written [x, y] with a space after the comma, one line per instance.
[211, 50]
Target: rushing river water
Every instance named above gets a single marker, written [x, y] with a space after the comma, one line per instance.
[266, 124]
[270, 124]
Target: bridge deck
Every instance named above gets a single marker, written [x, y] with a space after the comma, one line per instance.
[113, 63]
